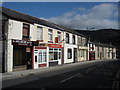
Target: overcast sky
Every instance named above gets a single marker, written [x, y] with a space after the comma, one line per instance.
[77, 15]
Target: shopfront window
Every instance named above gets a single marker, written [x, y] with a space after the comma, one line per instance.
[54, 54]
[82, 53]
[69, 53]
[42, 56]
[51, 56]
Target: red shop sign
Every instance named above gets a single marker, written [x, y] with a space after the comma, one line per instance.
[54, 46]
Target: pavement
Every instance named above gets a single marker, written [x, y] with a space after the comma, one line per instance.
[21, 74]
[17, 74]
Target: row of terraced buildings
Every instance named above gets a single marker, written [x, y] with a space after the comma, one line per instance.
[29, 43]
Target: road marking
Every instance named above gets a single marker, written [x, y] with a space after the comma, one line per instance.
[69, 78]
[43, 89]
[81, 75]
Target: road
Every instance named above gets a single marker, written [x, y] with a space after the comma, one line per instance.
[103, 74]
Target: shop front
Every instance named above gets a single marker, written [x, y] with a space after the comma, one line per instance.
[91, 55]
[47, 55]
[22, 54]
[82, 53]
[55, 54]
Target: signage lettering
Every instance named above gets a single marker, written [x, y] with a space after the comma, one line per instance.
[55, 46]
[21, 42]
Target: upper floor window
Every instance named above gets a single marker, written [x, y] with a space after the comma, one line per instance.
[83, 41]
[73, 39]
[50, 35]
[59, 36]
[39, 33]
[79, 40]
[67, 38]
[26, 30]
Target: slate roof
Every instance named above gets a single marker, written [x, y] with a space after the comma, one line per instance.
[12, 14]
[102, 44]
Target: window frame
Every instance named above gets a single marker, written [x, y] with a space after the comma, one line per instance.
[40, 30]
[69, 53]
[25, 27]
[59, 36]
[73, 39]
[50, 32]
[67, 38]
[53, 51]
[42, 56]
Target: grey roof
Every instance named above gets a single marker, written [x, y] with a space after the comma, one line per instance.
[102, 44]
[27, 18]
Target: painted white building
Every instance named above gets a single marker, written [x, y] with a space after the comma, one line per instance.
[82, 48]
[27, 40]
[31, 43]
[91, 50]
[70, 47]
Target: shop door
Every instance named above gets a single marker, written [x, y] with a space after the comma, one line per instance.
[92, 56]
[29, 57]
[19, 58]
[60, 56]
[35, 59]
[40, 58]
[75, 54]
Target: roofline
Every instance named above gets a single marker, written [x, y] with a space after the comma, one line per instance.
[41, 22]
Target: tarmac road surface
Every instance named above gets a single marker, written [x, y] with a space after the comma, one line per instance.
[102, 74]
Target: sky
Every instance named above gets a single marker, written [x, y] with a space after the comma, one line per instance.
[77, 15]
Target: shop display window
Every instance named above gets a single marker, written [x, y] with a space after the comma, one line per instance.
[54, 54]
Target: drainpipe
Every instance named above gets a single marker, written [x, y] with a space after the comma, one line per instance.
[4, 35]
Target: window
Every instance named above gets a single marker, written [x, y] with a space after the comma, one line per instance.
[103, 52]
[54, 54]
[42, 56]
[83, 40]
[59, 55]
[73, 39]
[69, 54]
[50, 35]
[79, 40]
[59, 36]
[67, 38]
[26, 28]
[39, 33]
[98, 51]
[82, 53]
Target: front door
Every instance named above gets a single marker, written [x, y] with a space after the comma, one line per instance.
[75, 54]
[22, 58]
[29, 57]
[36, 59]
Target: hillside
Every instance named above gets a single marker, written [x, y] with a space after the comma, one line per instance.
[103, 35]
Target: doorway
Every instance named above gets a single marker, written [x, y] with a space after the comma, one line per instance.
[75, 55]
[22, 58]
